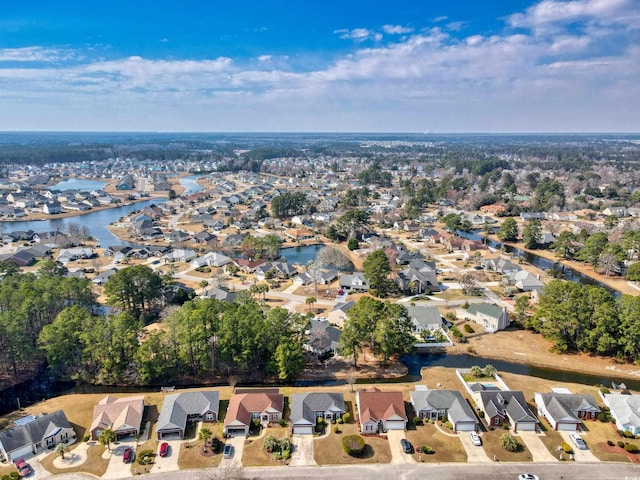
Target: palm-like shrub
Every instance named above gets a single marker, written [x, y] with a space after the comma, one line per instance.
[509, 443]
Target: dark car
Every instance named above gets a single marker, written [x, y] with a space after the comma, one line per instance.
[406, 446]
[228, 451]
[127, 456]
[164, 449]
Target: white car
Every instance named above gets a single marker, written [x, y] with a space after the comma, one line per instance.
[577, 439]
[528, 476]
[475, 439]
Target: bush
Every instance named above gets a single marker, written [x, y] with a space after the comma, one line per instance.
[86, 438]
[14, 476]
[509, 443]
[628, 434]
[5, 477]
[605, 390]
[353, 445]
[448, 425]
[340, 421]
[427, 450]
[481, 413]
[346, 417]
[320, 425]
[282, 422]
[468, 328]
[286, 454]
[417, 421]
[610, 443]
[631, 448]
[620, 443]
[145, 457]
[277, 456]
[566, 448]
[215, 445]
[603, 417]
[336, 429]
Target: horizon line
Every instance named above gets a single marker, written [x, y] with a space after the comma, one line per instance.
[330, 132]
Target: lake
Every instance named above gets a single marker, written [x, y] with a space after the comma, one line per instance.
[302, 255]
[83, 184]
[190, 184]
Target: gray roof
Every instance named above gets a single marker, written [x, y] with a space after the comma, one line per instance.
[561, 406]
[179, 406]
[452, 401]
[488, 309]
[42, 427]
[424, 315]
[507, 402]
[344, 306]
[333, 333]
[305, 405]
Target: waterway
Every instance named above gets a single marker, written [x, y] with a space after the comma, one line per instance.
[191, 185]
[95, 222]
[81, 184]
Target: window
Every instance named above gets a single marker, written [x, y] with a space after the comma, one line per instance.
[496, 421]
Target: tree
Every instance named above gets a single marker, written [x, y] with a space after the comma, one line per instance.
[532, 234]
[52, 268]
[61, 449]
[508, 231]
[289, 357]
[353, 222]
[107, 437]
[629, 333]
[452, 221]
[203, 285]
[565, 244]
[352, 244]
[509, 443]
[593, 248]
[376, 270]
[476, 371]
[332, 257]
[549, 194]
[608, 264]
[633, 272]
[521, 305]
[310, 301]
[393, 332]
[489, 371]
[468, 283]
[134, 290]
[204, 434]
[172, 194]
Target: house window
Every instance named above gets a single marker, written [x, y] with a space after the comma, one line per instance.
[496, 421]
[255, 415]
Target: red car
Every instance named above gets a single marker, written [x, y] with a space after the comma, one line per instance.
[164, 449]
[127, 456]
[23, 467]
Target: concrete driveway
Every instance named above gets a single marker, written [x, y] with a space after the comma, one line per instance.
[579, 455]
[397, 455]
[238, 448]
[117, 468]
[475, 454]
[302, 453]
[539, 452]
[170, 462]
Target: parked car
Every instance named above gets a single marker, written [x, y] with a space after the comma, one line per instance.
[228, 451]
[23, 467]
[164, 449]
[528, 476]
[475, 439]
[127, 456]
[578, 441]
[406, 446]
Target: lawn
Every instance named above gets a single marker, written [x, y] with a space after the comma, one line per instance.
[596, 435]
[191, 450]
[447, 448]
[7, 468]
[95, 464]
[328, 450]
[255, 455]
[491, 444]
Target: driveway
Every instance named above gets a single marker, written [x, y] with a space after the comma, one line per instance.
[170, 462]
[302, 453]
[580, 455]
[475, 454]
[117, 468]
[539, 452]
[238, 448]
[397, 455]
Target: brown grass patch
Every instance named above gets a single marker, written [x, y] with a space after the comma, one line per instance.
[596, 436]
[447, 448]
[255, 455]
[95, 464]
[491, 444]
[6, 469]
[328, 451]
[191, 454]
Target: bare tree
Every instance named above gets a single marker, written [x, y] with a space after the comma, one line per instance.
[231, 471]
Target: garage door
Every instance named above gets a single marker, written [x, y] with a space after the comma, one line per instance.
[395, 425]
[566, 427]
[465, 427]
[22, 452]
[236, 431]
[526, 427]
[303, 430]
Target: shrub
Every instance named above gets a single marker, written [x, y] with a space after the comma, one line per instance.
[270, 443]
[605, 390]
[481, 413]
[5, 477]
[353, 445]
[610, 443]
[319, 425]
[628, 434]
[620, 443]
[427, 450]
[86, 438]
[282, 422]
[336, 429]
[145, 457]
[340, 421]
[284, 444]
[603, 417]
[417, 421]
[215, 444]
[346, 417]
[631, 448]
[448, 425]
[509, 443]
[468, 328]
[286, 454]
[566, 448]
[14, 476]
[277, 456]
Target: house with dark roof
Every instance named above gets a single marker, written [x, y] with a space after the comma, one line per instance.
[380, 411]
[425, 317]
[180, 408]
[451, 404]
[490, 316]
[500, 406]
[307, 408]
[33, 434]
[265, 406]
[566, 411]
[355, 282]
[322, 337]
[417, 277]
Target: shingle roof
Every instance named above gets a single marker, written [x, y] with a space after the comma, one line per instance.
[242, 405]
[560, 406]
[509, 402]
[450, 400]
[178, 407]
[118, 413]
[488, 309]
[35, 431]
[376, 405]
[304, 406]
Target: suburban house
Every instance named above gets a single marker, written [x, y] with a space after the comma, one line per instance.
[180, 408]
[424, 318]
[322, 338]
[380, 411]
[32, 434]
[502, 405]
[265, 405]
[355, 282]
[417, 277]
[523, 281]
[451, 404]
[313, 275]
[211, 259]
[338, 314]
[564, 410]
[122, 415]
[625, 409]
[306, 408]
[490, 316]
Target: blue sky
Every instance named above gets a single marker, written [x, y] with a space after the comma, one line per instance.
[303, 65]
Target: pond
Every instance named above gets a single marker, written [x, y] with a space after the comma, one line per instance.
[83, 184]
[191, 185]
[302, 255]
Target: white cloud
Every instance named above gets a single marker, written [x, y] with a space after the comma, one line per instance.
[396, 29]
[358, 34]
[33, 54]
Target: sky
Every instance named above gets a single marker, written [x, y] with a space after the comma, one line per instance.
[431, 66]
